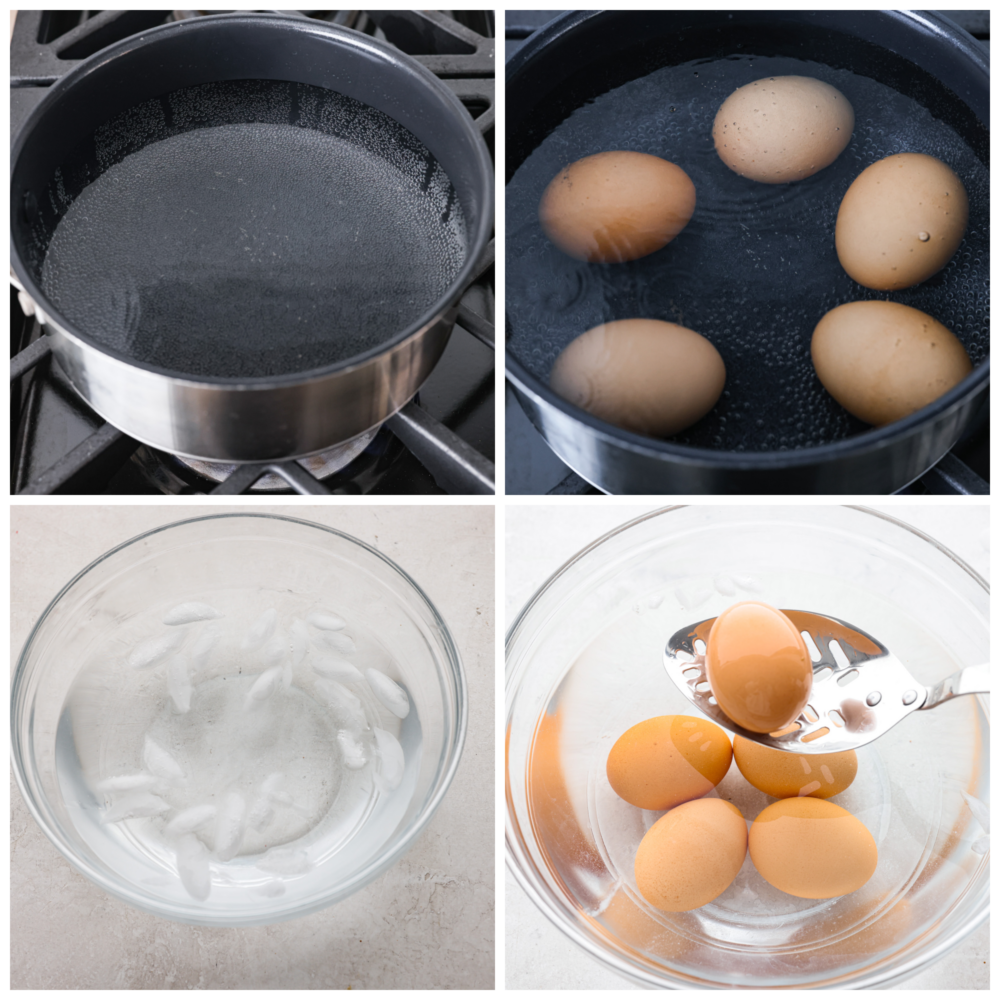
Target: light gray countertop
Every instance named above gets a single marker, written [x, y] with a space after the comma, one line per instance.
[538, 541]
[428, 922]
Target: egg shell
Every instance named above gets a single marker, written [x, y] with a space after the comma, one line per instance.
[783, 128]
[661, 762]
[786, 775]
[691, 855]
[812, 848]
[901, 221]
[758, 667]
[643, 375]
[883, 361]
[616, 206]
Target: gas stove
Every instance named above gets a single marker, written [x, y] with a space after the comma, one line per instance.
[441, 442]
[533, 468]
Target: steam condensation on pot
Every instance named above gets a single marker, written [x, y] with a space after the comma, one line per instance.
[248, 229]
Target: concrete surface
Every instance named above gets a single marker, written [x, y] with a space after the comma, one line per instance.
[426, 923]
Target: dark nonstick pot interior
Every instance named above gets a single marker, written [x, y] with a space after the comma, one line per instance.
[264, 204]
[756, 268]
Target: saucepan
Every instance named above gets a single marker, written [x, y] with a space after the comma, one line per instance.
[752, 277]
[246, 234]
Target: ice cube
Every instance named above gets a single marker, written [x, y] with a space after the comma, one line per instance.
[388, 692]
[159, 761]
[260, 814]
[300, 641]
[352, 749]
[346, 705]
[191, 611]
[140, 782]
[335, 667]
[262, 630]
[192, 866]
[275, 650]
[326, 621]
[151, 651]
[263, 688]
[190, 819]
[135, 805]
[179, 683]
[230, 825]
[390, 774]
[203, 646]
[338, 641]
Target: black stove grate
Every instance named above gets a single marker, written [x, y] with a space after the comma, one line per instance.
[443, 442]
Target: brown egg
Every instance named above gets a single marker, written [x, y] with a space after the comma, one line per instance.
[783, 128]
[758, 667]
[786, 775]
[883, 361]
[662, 762]
[901, 221]
[691, 855]
[812, 848]
[616, 206]
[642, 375]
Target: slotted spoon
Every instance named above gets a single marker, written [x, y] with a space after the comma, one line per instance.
[860, 690]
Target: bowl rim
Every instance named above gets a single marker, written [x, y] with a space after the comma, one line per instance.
[447, 766]
[518, 864]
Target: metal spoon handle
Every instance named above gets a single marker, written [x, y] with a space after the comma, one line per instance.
[971, 680]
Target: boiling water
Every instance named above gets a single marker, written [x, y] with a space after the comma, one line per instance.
[756, 267]
[237, 764]
[250, 228]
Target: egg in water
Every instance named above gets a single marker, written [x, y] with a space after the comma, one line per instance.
[662, 762]
[691, 855]
[812, 849]
[758, 667]
[643, 375]
[788, 775]
[616, 206]
[783, 128]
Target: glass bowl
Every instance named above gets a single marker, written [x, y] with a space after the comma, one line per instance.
[330, 816]
[585, 663]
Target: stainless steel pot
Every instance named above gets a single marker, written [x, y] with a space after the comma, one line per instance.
[256, 419]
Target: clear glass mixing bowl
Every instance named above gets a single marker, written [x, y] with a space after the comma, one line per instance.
[585, 663]
[79, 712]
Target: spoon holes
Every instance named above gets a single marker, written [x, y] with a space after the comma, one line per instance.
[712, 700]
[823, 674]
[839, 656]
[836, 718]
[810, 713]
[814, 652]
[816, 735]
[844, 679]
[700, 647]
[683, 656]
[703, 687]
[793, 728]
[691, 672]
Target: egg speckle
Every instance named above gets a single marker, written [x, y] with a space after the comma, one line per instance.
[661, 762]
[691, 855]
[785, 775]
[812, 848]
[643, 375]
[901, 221]
[783, 128]
[758, 667]
[883, 361]
[616, 206]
